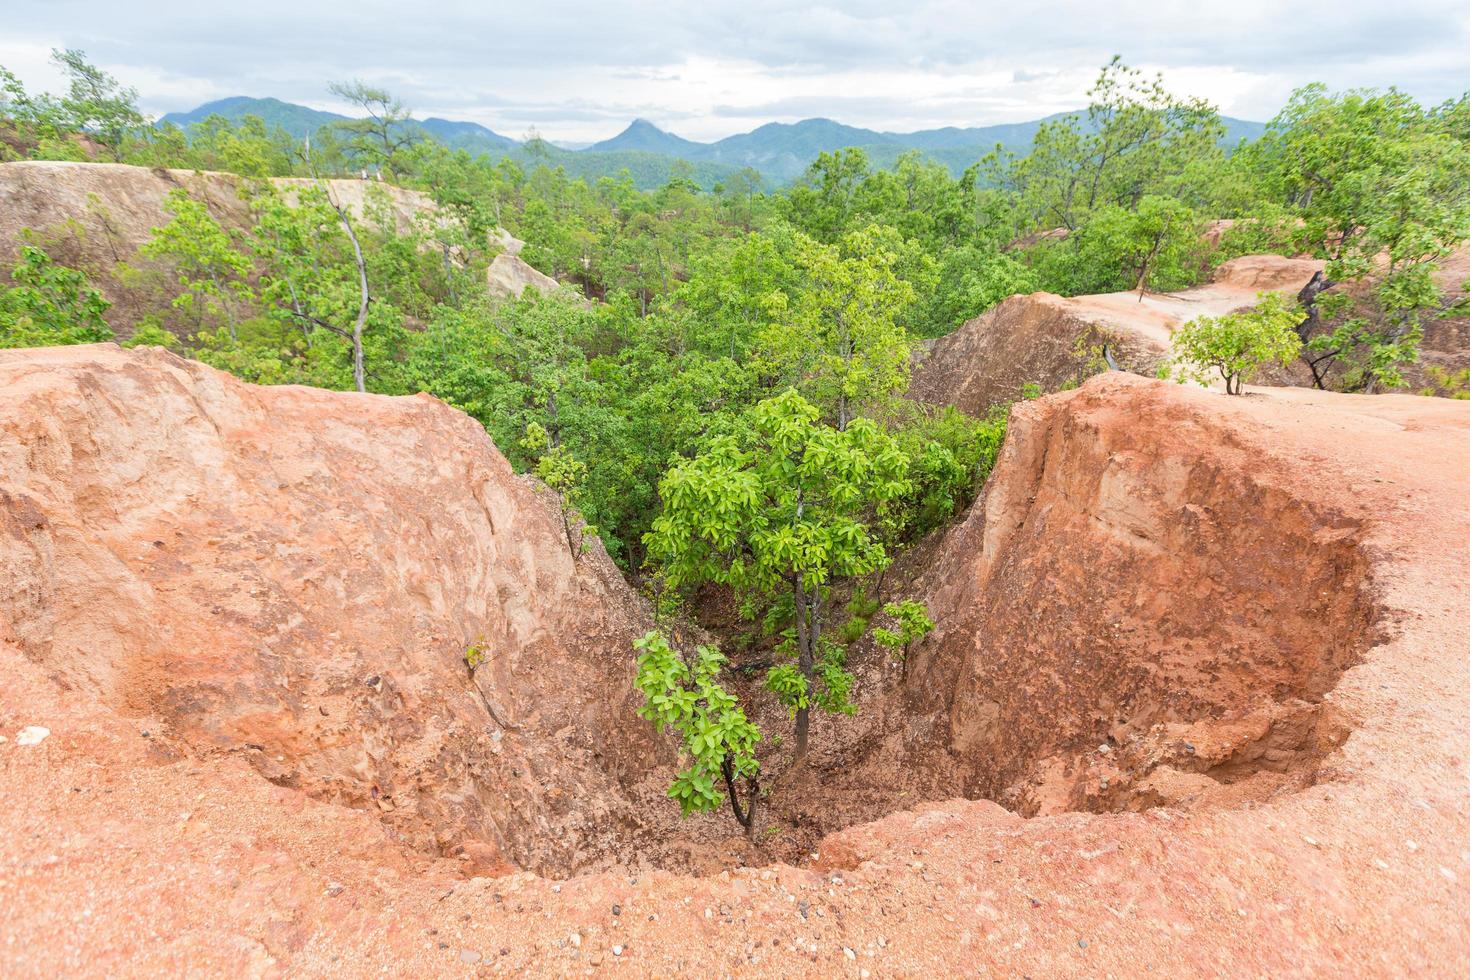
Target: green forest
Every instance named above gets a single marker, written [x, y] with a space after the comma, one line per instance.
[718, 394]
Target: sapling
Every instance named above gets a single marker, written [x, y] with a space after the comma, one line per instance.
[717, 739]
[911, 622]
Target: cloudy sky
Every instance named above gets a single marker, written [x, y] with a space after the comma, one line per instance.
[581, 71]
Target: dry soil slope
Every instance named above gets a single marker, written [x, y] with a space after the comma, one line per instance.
[294, 576]
[195, 559]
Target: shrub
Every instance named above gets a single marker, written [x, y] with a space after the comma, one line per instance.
[1237, 345]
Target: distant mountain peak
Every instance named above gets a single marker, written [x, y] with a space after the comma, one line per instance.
[780, 151]
[648, 137]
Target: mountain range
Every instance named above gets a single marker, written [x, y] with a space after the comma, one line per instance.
[779, 151]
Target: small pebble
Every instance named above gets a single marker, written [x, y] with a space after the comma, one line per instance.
[617, 950]
[469, 956]
[849, 953]
[1081, 944]
[32, 735]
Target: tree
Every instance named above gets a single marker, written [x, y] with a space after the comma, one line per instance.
[95, 103]
[385, 132]
[213, 275]
[911, 622]
[735, 290]
[718, 739]
[778, 512]
[1155, 245]
[840, 337]
[1136, 139]
[313, 279]
[247, 148]
[49, 304]
[564, 473]
[1379, 186]
[1237, 345]
[822, 204]
[972, 279]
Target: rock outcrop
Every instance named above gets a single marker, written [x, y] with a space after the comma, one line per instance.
[1050, 340]
[509, 275]
[296, 576]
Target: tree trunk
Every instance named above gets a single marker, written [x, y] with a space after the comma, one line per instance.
[752, 789]
[1318, 284]
[359, 375]
[806, 664]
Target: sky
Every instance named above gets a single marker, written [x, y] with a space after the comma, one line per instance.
[582, 71]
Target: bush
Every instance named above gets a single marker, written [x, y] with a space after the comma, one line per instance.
[1237, 345]
[50, 304]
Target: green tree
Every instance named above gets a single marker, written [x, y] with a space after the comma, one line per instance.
[782, 509]
[387, 129]
[1378, 184]
[566, 475]
[95, 103]
[911, 622]
[48, 304]
[824, 203]
[213, 275]
[840, 337]
[717, 739]
[1135, 139]
[1237, 345]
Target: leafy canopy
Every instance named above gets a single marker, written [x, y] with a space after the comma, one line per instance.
[1239, 344]
[49, 304]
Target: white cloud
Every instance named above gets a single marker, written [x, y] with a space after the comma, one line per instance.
[581, 70]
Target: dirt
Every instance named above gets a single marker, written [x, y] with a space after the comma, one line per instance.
[296, 579]
[1256, 604]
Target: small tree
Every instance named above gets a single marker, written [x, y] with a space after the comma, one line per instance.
[718, 739]
[1237, 345]
[911, 622]
[388, 128]
[213, 276]
[778, 512]
[561, 471]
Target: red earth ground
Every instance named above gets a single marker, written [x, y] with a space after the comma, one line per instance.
[1277, 580]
